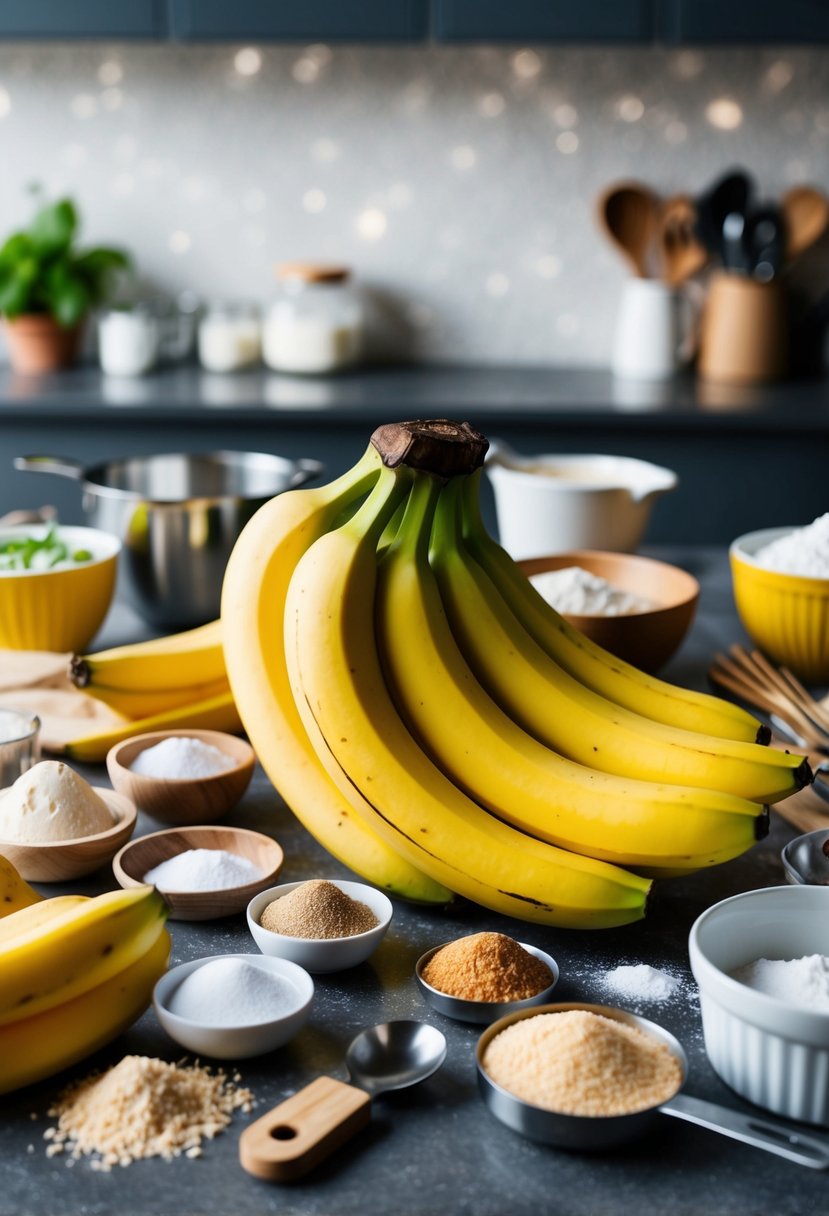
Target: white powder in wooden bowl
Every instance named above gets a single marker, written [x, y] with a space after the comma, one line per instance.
[580, 1063]
[143, 1107]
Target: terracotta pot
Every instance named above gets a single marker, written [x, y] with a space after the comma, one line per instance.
[37, 344]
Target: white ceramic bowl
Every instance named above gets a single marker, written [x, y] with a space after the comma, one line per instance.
[551, 504]
[769, 1051]
[322, 954]
[240, 1042]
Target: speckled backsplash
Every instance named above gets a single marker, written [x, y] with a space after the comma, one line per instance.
[459, 183]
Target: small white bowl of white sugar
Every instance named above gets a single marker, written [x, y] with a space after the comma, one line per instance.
[233, 1006]
[182, 777]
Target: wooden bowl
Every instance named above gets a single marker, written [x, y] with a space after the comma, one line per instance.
[140, 855]
[60, 860]
[645, 639]
[183, 801]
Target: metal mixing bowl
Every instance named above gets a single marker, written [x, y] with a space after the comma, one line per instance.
[178, 517]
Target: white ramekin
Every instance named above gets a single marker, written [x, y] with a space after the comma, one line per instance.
[771, 1052]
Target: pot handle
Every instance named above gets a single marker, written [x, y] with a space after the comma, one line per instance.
[304, 471]
[772, 1135]
[61, 466]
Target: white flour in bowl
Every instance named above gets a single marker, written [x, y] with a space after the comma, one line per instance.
[581, 593]
[805, 551]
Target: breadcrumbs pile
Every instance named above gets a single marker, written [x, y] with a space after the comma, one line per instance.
[318, 909]
[580, 1063]
[143, 1107]
[487, 967]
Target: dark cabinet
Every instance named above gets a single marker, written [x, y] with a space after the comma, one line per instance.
[84, 19]
[300, 20]
[745, 21]
[544, 20]
[671, 22]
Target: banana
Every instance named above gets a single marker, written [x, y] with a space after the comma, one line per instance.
[634, 823]
[50, 964]
[589, 663]
[36, 916]
[572, 719]
[180, 660]
[14, 892]
[146, 703]
[253, 599]
[44, 1044]
[216, 713]
[342, 698]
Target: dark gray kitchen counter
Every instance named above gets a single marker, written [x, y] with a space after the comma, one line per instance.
[752, 457]
[436, 1149]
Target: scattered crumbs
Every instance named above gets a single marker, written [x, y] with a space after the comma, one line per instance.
[30, 1148]
[143, 1107]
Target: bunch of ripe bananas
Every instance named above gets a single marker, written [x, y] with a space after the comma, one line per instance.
[439, 728]
[76, 972]
[163, 684]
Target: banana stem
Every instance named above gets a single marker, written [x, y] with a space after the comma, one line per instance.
[372, 517]
[472, 521]
[413, 536]
[446, 523]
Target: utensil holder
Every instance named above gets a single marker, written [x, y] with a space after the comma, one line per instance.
[744, 330]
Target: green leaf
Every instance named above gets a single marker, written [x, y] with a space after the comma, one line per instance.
[97, 266]
[66, 295]
[53, 227]
[16, 288]
[18, 246]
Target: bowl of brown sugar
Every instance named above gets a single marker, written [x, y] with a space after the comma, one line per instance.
[484, 976]
[322, 925]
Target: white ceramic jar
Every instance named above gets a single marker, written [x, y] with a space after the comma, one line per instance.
[128, 341]
[230, 337]
[315, 324]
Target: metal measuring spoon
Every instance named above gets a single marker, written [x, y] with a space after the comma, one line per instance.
[594, 1133]
[300, 1132]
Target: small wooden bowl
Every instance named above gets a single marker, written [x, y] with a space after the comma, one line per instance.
[188, 800]
[60, 860]
[645, 639]
[136, 858]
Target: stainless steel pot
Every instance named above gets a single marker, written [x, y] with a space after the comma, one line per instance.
[178, 517]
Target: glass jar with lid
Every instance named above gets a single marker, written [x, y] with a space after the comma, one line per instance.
[230, 336]
[315, 323]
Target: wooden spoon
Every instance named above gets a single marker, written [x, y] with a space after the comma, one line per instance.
[806, 215]
[682, 254]
[629, 213]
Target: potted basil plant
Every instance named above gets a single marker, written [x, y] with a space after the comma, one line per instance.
[48, 286]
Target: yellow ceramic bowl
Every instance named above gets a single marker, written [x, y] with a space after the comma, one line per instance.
[785, 615]
[58, 609]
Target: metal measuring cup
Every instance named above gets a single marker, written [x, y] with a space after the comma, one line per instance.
[596, 1133]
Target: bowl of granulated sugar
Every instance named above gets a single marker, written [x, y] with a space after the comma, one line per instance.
[201, 873]
[321, 924]
[182, 777]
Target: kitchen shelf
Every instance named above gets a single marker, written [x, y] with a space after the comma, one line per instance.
[517, 395]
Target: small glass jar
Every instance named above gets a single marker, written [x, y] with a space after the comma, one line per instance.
[19, 744]
[128, 341]
[315, 324]
[230, 337]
